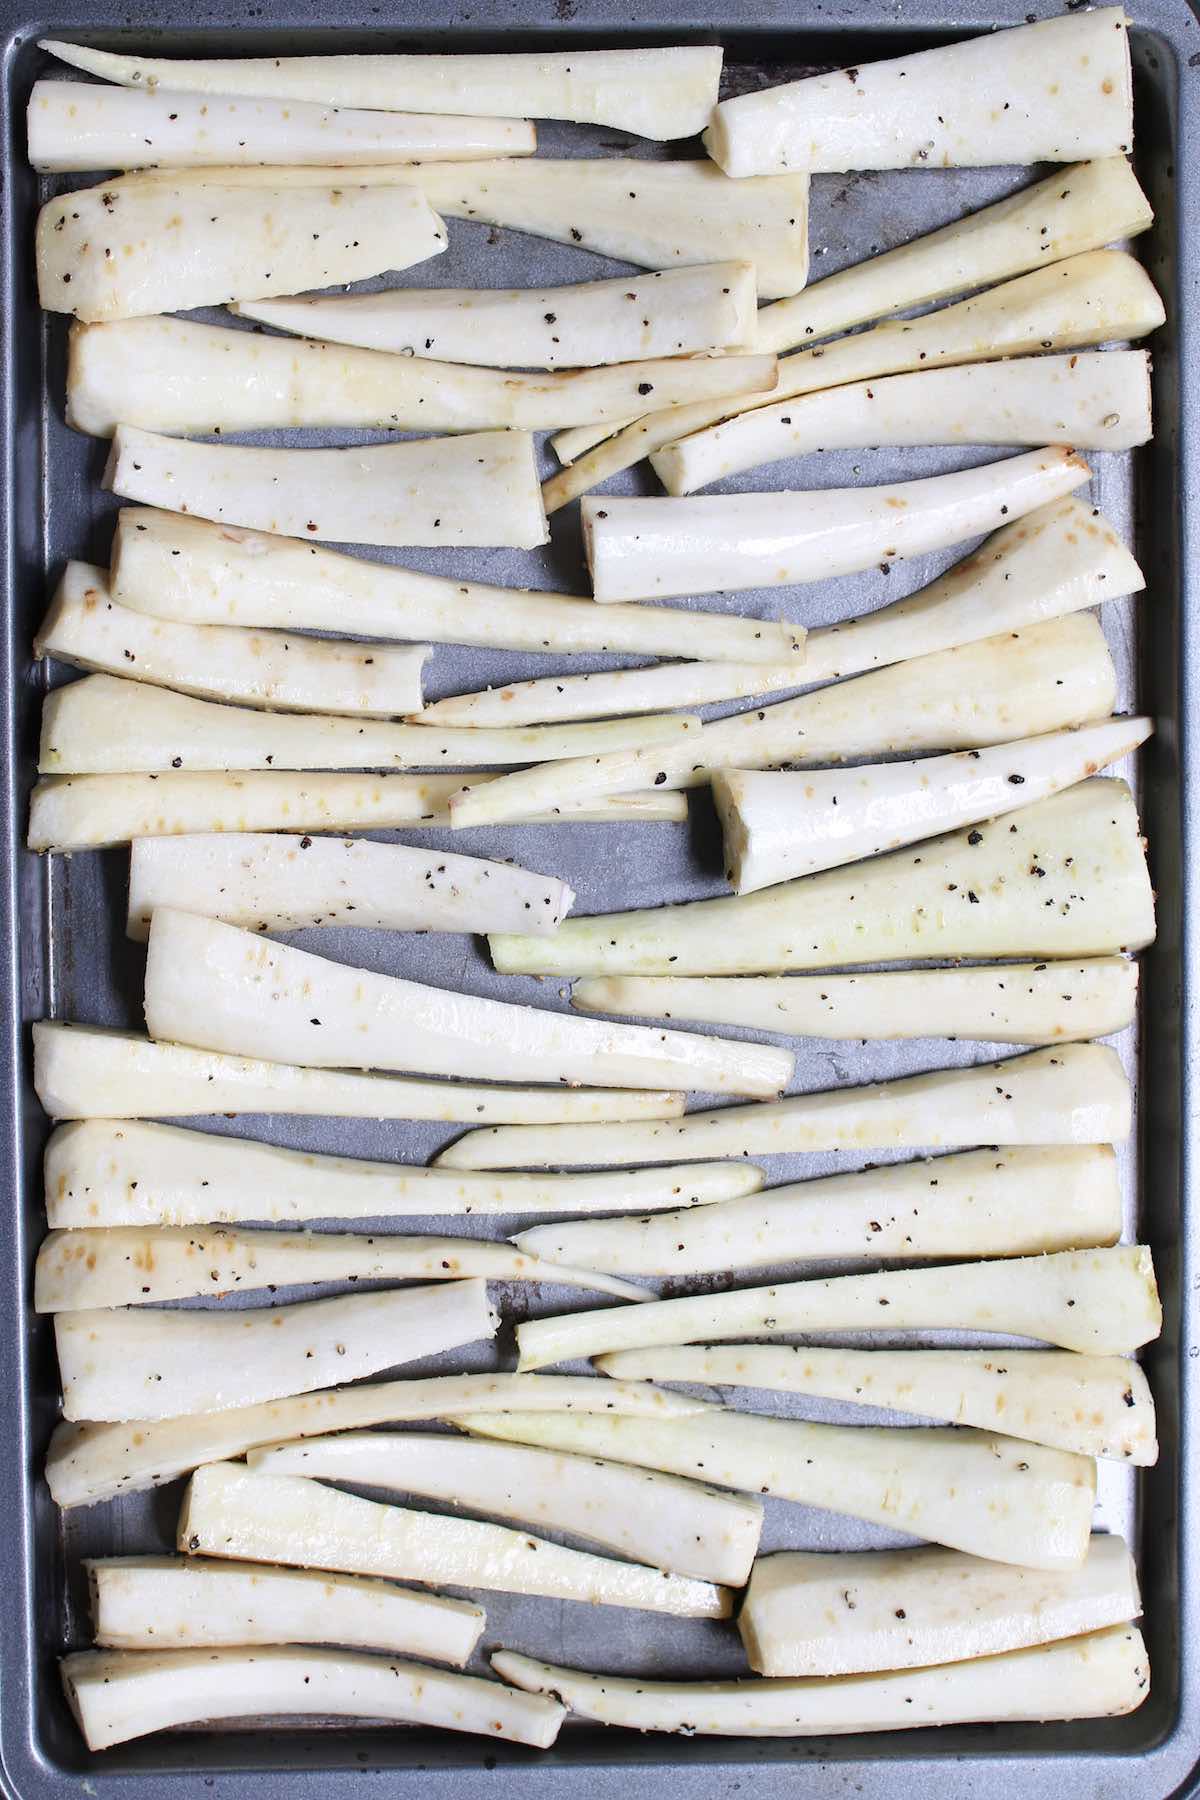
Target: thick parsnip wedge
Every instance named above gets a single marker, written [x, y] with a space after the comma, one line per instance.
[1101, 1302]
[116, 1695]
[1098, 1676]
[122, 1172]
[228, 1511]
[611, 694]
[151, 247]
[1095, 400]
[73, 126]
[222, 988]
[146, 1602]
[276, 882]
[976, 892]
[105, 726]
[1045, 92]
[85, 1072]
[177, 376]
[89, 1463]
[479, 489]
[136, 1265]
[661, 93]
[979, 1203]
[85, 626]
[146, 1364]
[1091, 1405]
[780, 826]
[644, 549]
[588, 324]
[970, 1490]
[178, 567]
[657, 1519]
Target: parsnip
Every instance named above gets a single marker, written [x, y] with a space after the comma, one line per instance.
[85, 626]
[148, 1602]
[614, 693]
[151, 247]
[275, 882]
[148, 1364]
[283, 1518]
[656, 1519]
[979, 1203]
[479, 489]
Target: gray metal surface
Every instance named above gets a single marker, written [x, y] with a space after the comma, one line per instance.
[64, 955]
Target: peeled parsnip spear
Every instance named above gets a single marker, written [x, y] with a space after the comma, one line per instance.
[1044, 92]
[152, 247]
[1097, 400]
[642, 549]
[661, 93]
[479, 489]
[176, 376]
[131, 1265]
[84, 1072]
[89, 812]
[116, 1695]
[228, 1511]
[121, 1172]
[656, 1519]
[613, 693]
[673, 312]
[144, 1602]
[970, 1490]
[272, 882]
[1091, 1405]
[222, 988]
[980, 1203]
[977, 892]
[73, 125]
[140, 1363]
[186, 568]
[1098, 1676]
[780, 826]
[89, 1463]
[1102, 1302]
[1017, 1003]
[105, 726]
[85, 626]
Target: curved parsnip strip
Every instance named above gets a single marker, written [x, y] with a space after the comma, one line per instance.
[656, 1519]
[613, 693]
[84, 1072]
[121, 1694]
[585, 324]
[479, 489]
[148, 1364]
[1098, 1676]
[1091, 1405]
[228, 1511]
[152, 247]
[144, 1602]
[226, 989]
[123, 1172]
[981, 1203]
[1044, 92]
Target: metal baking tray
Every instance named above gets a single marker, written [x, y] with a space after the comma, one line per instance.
[64, 954]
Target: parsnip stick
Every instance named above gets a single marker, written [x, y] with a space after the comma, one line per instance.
[282, 1518]
[151, 247]
[1091, 1405]
[614, 693]
[673, 312]
[148, 1364]
[222, 988]
[656, 1519]
[980, 1203]
[146, 1602]
[480, 489]
[83, 1072]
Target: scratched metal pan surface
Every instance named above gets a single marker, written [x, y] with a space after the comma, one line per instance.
[64, 953]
